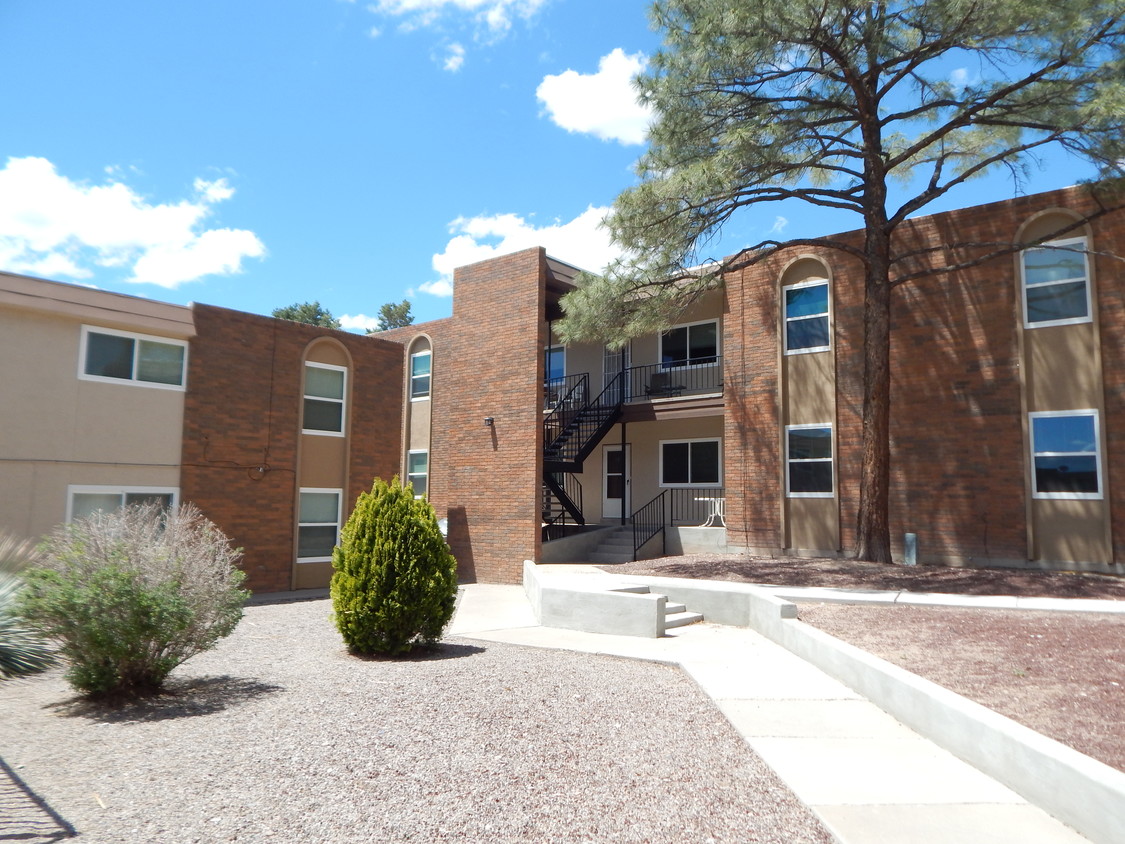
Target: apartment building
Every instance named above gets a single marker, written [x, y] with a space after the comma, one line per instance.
[738, 428]
[271, 427]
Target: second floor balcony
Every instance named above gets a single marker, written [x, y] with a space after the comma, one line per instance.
[654, 382]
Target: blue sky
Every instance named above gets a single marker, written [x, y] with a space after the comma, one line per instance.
[253, 154]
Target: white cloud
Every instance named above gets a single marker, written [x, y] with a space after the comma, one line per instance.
[442, 288]
[779, 225]
[55, 227]
[581, 241]
[603, 104]
[374, 32]
[358, 322]
[493, 16]
[455, 58]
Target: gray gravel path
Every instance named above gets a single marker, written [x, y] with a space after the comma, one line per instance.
[279, 735]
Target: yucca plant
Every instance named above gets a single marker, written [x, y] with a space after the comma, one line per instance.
[22, 651]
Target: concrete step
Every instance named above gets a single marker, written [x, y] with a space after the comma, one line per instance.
[681, 619]
[671, 608]
[609, 557]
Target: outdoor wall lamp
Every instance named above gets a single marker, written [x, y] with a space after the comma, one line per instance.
[488, 420]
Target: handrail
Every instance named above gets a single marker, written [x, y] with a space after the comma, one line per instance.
[571, 426]
[649, 521]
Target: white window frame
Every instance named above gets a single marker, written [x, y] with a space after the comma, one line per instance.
[429, 353]
[337, 524]
[116, 489]
[343, 401]
[831, 459]
[1072, 496]
[690, 485]
[786, 319]
[1059, 245]
[133, 380]
[411, 475]
[688, 364]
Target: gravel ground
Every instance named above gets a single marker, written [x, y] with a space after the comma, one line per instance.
[279, 735]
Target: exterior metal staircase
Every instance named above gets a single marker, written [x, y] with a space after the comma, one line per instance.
[571, 431]
[574, 427]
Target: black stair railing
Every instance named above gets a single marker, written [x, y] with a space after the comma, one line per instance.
[570, 432]
[561, 519]
[648, 522]
[566, 491]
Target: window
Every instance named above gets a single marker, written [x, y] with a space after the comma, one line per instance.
[318, 524]
[554, 364]
[808, 461]
[690, 463]
[420, 365]
[324, 399]
[1056, 288]
[118, 356]
[696, 344]
[418, 471]
[806, 317]
[83, 501]
[1064, 452]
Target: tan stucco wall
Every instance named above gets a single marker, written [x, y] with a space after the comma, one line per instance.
[59, 430]
[644, 440]
[808, 384]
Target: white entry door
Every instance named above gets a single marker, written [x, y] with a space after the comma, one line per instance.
[615, 481]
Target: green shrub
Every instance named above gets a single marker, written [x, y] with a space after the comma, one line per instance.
[22, 651]
[395, 581]
[129, 595]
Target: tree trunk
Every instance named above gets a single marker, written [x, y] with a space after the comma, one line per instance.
[873, 532]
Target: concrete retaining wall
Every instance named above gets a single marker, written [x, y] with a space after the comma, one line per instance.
[575, 603]
[1080, 791]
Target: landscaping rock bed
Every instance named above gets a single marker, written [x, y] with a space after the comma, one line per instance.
[279, 735]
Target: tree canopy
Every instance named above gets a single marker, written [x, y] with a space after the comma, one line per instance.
[308, 312]
[395, 315]
[876, 107]
[837, 103]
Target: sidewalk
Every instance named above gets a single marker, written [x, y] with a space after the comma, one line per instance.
[869, 779]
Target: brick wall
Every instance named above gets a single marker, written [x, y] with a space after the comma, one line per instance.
[486, 363]
[958, 455]
[242, 412]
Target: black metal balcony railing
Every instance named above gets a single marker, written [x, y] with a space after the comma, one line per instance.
[673, 379]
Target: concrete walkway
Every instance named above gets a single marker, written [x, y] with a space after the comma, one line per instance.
[869, 779]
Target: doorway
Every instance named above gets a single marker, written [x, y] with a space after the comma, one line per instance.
[615, 481]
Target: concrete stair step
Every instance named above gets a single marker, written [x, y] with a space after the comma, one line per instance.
[607, 557]
[671, 608]
[681, 619]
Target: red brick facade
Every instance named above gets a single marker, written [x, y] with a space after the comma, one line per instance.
[959, 456]
[242, 428]
[486, 364]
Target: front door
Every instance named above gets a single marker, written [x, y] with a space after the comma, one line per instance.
[615, 482]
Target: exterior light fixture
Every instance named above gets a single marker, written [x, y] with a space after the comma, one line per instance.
[488, 420]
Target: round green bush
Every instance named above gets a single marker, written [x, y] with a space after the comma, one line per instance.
[129, 595]
[395, 582]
